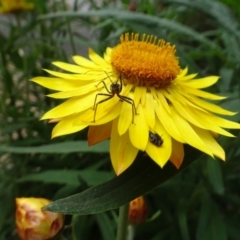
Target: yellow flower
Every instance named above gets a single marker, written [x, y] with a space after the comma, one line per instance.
[13, 6]
[34, 223]
[139, 97]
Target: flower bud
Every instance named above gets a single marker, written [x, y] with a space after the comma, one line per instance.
[34, 223]
[132, 6]
[15, 6]
[137, 211]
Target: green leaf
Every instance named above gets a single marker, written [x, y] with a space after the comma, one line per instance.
[211, 225]
[204, 218]
[65, 191]
[215, 175]
[107, 226]
[141, 177]
[82, 227]
[71, 177]
[217, 10]
[182, 220]
[64, 147]
[140, 18]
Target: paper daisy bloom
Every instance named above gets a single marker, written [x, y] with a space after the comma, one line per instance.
[138, 96]
[14, 6]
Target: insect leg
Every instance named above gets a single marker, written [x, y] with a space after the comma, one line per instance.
[130, 101]
[105, 86]
[96, 105]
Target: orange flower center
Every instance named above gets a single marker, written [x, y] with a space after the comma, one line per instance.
[148, 62]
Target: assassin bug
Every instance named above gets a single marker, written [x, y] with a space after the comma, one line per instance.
[155, 139]
[115, 89]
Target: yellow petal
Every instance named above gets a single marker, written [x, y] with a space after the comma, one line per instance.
[99, 133]
[177, 155]
[196, 118]
[138, 93]
[162, 100]
[54, 120]
[57, 84]
[148, 110]
[69, 67]
[68, 76]
[127, 114]
[177, 94]
[138, 130]
[107, 55]
[160, 154]
[185, 78]
[108, 112]
[97, 59]
[183, 72]
[71, 106]
[103, 108]
[95, 76]
[201, 93]
[65, 126]
[83, 62]
[210, 106]
[209, 125]
[127, 91]
[126, 118]
[212, 144]
[220, 121]
[182, 110]
[201, 82]
[168, 123]
[188, 133]
[78, 91]
[108, 51]
[122, 152]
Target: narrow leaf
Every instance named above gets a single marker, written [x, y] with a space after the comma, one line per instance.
[215, 175]
[71, 177]
[64, 147]
[141, 177]
[140, 18]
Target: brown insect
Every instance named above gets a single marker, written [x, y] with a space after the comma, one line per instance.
[115, 89]
[155, 139]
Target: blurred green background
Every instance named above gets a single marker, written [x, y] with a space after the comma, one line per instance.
[202, 202]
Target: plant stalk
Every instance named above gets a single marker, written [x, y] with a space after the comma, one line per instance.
[122, 222]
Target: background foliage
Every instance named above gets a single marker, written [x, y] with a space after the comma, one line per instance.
[203, 202]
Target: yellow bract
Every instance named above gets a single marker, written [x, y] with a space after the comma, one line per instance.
[124, 98]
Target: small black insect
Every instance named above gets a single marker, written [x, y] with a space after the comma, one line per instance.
[155, 139]
[115, 89]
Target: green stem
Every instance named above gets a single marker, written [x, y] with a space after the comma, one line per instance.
[131, 232]
[122, 222]
[18, 21]
[69, 29]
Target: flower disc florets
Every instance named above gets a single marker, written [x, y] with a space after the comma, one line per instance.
[148, 62]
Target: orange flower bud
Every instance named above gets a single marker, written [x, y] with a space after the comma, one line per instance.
[132, 6]
[137, 211]
[34, 223]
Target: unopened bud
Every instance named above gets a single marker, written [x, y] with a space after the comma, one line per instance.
[132, 7]
[34, 223]
[15, 6]
[137, 211]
